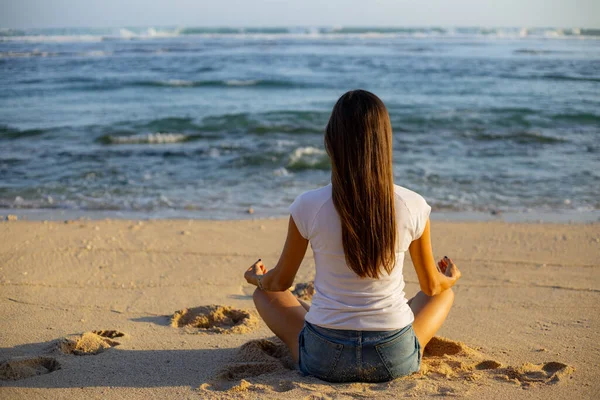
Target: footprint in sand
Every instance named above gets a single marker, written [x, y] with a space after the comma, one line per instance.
[456, 361]
[21, 368]
[531, 374]
[258, 357]
[448, 368]
[89, 343]
[269, 357]
[447, 359]
[109, 334]
[214, 318]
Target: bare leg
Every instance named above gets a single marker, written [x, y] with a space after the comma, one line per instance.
[283, 314]
[430, 314]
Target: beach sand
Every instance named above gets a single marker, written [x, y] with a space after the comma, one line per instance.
[159, 309]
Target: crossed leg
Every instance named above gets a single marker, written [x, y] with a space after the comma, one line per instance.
[284, 315]
[430, 314]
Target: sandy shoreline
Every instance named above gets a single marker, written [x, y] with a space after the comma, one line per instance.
[529, 295]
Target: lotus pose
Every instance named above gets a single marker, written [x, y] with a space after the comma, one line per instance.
[360, 327]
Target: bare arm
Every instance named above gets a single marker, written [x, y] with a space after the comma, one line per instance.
[282, 276]
[432, 280]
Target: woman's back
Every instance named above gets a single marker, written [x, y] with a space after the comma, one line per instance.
[360, 326]
[342, 299]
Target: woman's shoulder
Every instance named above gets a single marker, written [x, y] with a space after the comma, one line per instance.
[318, 195]
[411, 199]
[417, 212]
[306, 207]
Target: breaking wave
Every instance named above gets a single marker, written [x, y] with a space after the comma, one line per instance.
[149, 138]
[309, 157]
[140, 33]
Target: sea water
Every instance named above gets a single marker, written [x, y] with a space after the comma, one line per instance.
[210, 122]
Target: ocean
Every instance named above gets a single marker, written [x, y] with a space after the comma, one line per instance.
[217, 122]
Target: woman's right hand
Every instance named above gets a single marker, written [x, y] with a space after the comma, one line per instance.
[449, 269]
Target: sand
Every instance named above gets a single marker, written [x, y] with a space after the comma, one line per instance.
[119, 309]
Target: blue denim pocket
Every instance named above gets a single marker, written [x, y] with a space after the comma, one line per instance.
[317, 355]
[400, 354]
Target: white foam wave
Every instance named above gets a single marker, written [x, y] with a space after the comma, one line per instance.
[126, 33]
[147, 33]
[150, 138]
[307, 157]
[281, 172]
[96, 53]
[337, 33]
[176, 82]
[162, 33]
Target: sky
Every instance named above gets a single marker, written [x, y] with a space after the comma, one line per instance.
[132, 13]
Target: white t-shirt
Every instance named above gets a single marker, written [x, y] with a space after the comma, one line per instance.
[342, 299]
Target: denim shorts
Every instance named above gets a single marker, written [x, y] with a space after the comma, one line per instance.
[335, 355]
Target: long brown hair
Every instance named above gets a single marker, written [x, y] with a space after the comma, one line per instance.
[358, 139]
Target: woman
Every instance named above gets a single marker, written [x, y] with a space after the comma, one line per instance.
[360, 327]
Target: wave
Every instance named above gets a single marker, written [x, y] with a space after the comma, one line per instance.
[210, 31]
[240, 31]
[88, 83]
[533, 32]
[515, 119]
[7, 132]
[8, 32]
[170, 82]
[96, 34]
[99, 53]
[147, 33]
[169, 124]
[35, 53]
[38, 53]
[95, 53]
[538, 52]
[508, 117]
[267, 83]
[580, 118]
[149, 138]
[238, 82]
[304, 158]
[160, 131]
[551, 76]
[589, 32]
[51, 38]
[23, 54]
[560, 77]
[514, 125]
[519, 137]
[270, 122]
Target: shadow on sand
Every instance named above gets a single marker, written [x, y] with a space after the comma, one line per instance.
[115, 367]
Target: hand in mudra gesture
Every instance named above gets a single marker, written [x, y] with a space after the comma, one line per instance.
[448, 268]
[256, 269]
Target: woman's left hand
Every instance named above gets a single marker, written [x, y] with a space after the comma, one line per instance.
[258, 268]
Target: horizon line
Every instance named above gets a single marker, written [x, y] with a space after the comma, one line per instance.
[334, 26]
